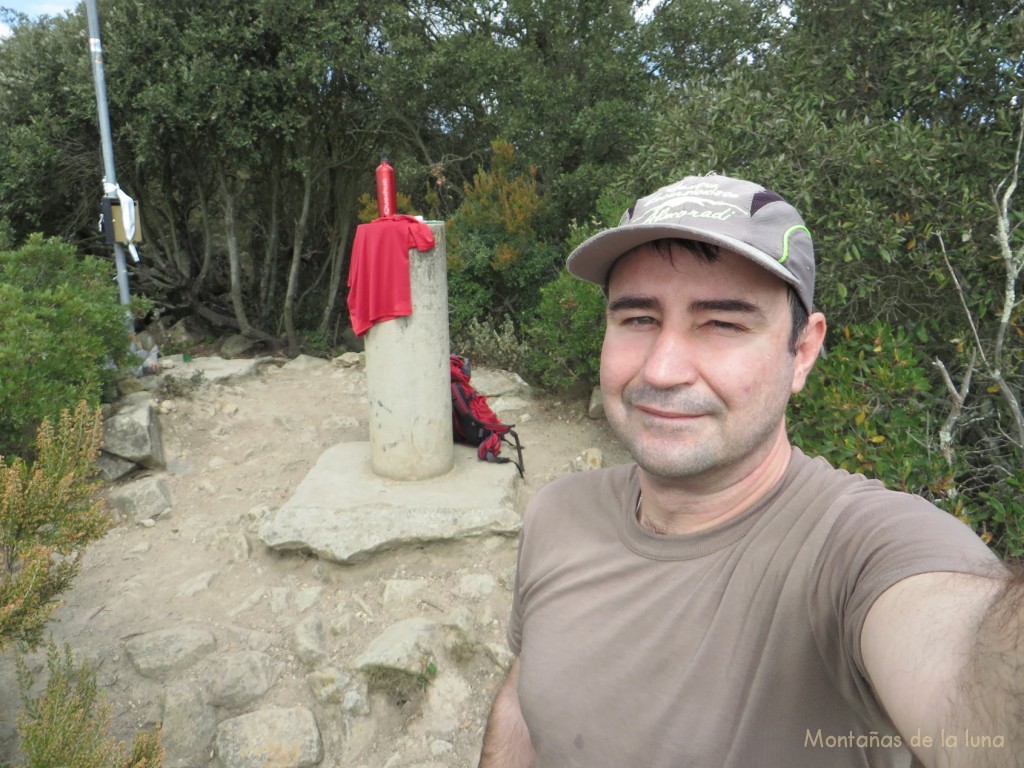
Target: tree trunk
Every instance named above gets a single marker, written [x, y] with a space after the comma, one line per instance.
[234, 257]
[293, 272]
[268, 281]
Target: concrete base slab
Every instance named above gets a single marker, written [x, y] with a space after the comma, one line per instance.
[343, 512]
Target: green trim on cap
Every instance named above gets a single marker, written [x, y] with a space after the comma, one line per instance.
[785, 240]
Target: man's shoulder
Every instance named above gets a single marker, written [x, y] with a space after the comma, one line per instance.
[603, 480]
[585, 492]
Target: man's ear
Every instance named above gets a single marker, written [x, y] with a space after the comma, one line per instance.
[807, 350]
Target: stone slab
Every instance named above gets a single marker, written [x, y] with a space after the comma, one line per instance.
[342, 511]
[217, 370]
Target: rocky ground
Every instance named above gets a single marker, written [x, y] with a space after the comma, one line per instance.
[251, 657]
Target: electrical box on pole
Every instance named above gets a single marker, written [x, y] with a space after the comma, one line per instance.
[114, 225]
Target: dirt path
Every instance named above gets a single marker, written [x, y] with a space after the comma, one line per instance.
[236, 451]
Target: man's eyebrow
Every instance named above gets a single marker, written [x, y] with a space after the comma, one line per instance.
[727, 305]
[633, 302]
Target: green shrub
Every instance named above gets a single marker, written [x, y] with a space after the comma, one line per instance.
[566, 334]
[49, 512]
[62, 335]
[998, 515]
[497, 262]
[486, 343]
[68, 724]
[869, 407]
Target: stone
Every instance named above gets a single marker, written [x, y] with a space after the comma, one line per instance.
[307, 597]
[141, 500]
[495, 383]
[133, 433]
[473, 586]
[347, 516]
[162, 654]
[408, 646]
[187, 726]
[270, 738]
[328, 685]
[236, 680]
[307, 363]
[114, 467]
[236, 346]
[351, 359]
[309, 641]
[397, 590]
[198, 583]
[187, 332]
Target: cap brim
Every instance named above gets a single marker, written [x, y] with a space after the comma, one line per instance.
[593, 259]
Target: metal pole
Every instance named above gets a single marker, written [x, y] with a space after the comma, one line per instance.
[109, 174]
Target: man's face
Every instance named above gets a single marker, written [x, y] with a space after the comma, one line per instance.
[695, 369]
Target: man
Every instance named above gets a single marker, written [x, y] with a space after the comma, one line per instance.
[727, 600]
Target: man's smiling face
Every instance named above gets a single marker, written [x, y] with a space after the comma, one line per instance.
[695, 369]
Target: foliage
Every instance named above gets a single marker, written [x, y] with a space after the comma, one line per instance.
[998, 515]
[869, 407]
[368, 210]
[48, 514]
[566, 334]
[62, 334]
[68, 724]
[492, 343]
[496, 261]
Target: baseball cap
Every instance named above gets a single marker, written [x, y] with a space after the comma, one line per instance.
[732, 213]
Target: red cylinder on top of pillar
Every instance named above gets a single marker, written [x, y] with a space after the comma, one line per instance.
[387, 199]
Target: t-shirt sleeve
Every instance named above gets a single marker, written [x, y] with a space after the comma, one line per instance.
[879, 538]
[420, 236]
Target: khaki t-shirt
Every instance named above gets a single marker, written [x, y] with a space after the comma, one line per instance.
[736, 646]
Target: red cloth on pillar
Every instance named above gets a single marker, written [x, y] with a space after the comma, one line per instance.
[378, 275]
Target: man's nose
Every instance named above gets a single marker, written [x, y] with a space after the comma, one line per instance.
[671, 360]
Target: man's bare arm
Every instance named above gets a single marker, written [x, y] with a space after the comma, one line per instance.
[507, 740]
[944, 655]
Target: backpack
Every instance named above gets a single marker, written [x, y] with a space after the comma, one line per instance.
[473, 421]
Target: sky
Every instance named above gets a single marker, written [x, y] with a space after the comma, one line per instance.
[35, 8]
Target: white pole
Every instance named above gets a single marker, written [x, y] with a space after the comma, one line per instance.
[109, 174]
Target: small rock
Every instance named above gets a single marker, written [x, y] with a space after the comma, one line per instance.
[162, 654]
[309, 642]
[270, 738]
[196, 584]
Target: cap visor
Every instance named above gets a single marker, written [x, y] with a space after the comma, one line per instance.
[593, 259]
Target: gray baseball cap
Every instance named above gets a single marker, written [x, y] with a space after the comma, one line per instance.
[738, 215]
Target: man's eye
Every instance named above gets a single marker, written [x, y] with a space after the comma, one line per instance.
[640, 320]
[722, 325]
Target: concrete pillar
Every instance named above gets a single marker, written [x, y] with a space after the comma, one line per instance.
[408, 379]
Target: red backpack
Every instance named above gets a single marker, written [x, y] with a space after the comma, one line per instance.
[473, 421]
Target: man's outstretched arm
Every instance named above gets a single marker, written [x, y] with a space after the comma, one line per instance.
[945, 654]
[507, 740]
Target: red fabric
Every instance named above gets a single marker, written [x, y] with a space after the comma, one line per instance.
[378, 275]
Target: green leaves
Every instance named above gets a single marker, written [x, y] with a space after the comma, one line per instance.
[62, 333]
[869, 407]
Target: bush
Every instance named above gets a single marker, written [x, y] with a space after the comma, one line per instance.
[998, 515]
[566, 335]
[68, 724]
[49, 512]
[497, 262]
[62, 335]
[487, 343]
[869, 407]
